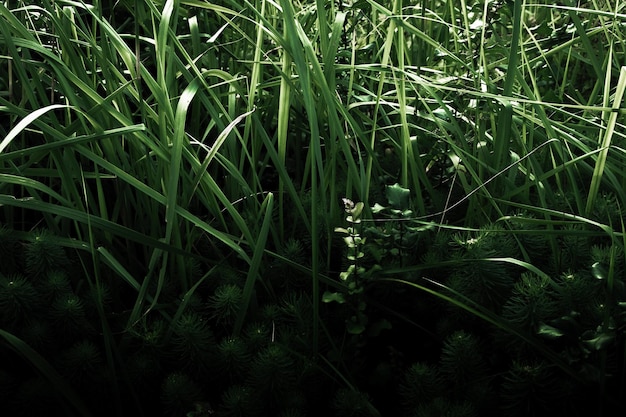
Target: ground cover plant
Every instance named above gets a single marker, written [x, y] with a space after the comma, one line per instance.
[351, 208]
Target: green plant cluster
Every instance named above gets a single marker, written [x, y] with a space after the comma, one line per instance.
[505, 337]
[180, 360]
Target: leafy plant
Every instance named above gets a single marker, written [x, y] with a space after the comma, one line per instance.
[355, 276]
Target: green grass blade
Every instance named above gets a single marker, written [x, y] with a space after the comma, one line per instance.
[601, 161]
[255, 264]
[19, 128]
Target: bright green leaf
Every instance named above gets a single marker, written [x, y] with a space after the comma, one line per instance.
[398, 196]
[329, 297]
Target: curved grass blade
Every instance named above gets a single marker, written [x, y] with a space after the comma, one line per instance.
[19, 128]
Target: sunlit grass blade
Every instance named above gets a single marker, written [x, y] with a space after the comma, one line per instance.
[19, 128]
[605, 144]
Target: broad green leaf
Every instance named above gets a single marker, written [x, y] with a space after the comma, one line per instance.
[397, 196]
[337, 297]
[549, 332]
[600, 341]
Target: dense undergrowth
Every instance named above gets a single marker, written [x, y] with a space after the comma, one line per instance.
[355, 208]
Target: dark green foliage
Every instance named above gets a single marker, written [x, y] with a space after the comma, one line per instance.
[293, 250]
[18, 298]
[232, 358]
[81, 363]
[420, 384]
[179, 393]
[9, 250]
[142, 368]
[68, 315]
[39, 335]
[605, 255]
[462, 362]
[580, 292]
[225, 275]
[443, 407]
[8, 385]
[192, 342]
[97, 296]
[175, 131]
[238, 401]
[484, 281]
[532, 241]
[271, 313]
[258, 335]
[351, 403]
[286, 276]
[297, 313]
[292, 412]
[607, 210]
[531, 389]
[55, 284]
[44, 255]
[193, 302]
[149, 336]
[532, 302]
[36, 397]
[573, 253]
[272, 373]
[500, 242]
[225, 303]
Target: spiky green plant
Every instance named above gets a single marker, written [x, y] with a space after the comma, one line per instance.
[68, 315]
[55, 284]
[192, 343]
[258, 335]
[531, 389]
[442, 406]
[82, 363]
[578, 292]
[149, 336]
[238, 401]
[483, 280]
[351, 403]
[18, 298]
[420, 383]
[233, 359]
[573, 251]
[44, 255]
[462, 362]
[532, 302]
[272, 374]
[225, 303]
[179, 393]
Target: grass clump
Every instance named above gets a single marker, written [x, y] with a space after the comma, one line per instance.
[173, 174]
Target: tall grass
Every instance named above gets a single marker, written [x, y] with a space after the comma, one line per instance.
[232, 126]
